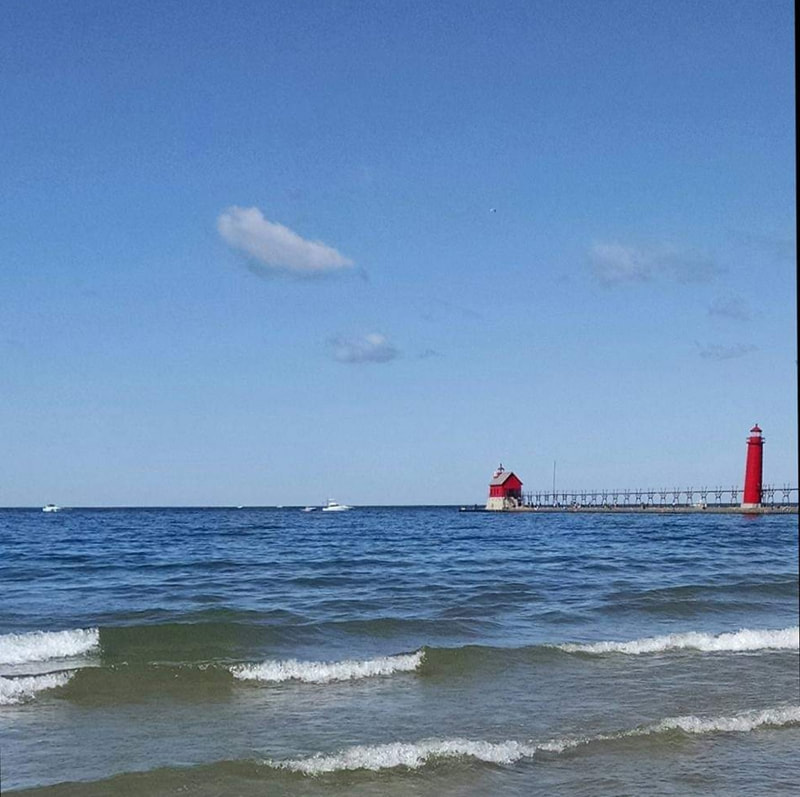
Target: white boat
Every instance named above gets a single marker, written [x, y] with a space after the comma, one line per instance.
[332, 506]
[308, 509]
[50, 508]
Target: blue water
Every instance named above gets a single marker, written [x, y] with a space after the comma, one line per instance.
[397, 651]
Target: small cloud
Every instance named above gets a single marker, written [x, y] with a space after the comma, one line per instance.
[460, 309]
[372, 348]
[428, 353]
[732, 307]
[686, 266]
[436, 308]
[271, 247]
[773, 246]
[614, 264]
[717, 351]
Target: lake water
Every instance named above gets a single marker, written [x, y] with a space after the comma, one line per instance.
[397, 651]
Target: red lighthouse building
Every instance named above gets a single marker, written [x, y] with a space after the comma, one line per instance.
[505, 490]
[753, 470]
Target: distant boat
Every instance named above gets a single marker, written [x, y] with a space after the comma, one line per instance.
[308, 509]
[332, 506]
[50, 508]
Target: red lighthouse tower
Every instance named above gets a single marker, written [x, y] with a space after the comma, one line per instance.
[753, 470]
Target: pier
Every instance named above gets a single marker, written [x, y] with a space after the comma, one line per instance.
[690, 499]
[721, 500]
[754, 498]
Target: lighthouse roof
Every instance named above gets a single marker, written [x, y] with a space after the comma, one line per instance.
[755, 430]
[503, 477]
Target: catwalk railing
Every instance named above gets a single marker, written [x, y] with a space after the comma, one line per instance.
[703, 496]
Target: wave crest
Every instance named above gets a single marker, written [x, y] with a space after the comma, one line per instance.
[743, 640]
[45, 645]
[322, 672]
[18, 690]
[414, 755]
[741, 723]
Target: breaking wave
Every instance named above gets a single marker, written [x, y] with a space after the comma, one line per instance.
[322, 672]
[46, 645]
[740, 723]
[18, 690]
[414, 755]
[743, 640]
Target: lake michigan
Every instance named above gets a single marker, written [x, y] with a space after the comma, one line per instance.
[397, 651]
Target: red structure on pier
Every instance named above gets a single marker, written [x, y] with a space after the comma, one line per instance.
[753, 470]
[505, 490]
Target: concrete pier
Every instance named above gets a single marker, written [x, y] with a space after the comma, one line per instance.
[776, 509]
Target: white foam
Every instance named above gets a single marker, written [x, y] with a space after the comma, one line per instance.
[740, 723]
[414, 755]
[736, 641]
[17, 690]
[46, 645]
[322, 672]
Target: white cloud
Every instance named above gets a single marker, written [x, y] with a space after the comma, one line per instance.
[717, 351]
[272, 247]
[372, 348]
[730, 307]
[614, 264]
[686, 266]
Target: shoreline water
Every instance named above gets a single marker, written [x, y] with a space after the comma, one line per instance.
[390, 650]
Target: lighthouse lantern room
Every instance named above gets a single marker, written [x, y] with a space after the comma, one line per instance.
[505, 490]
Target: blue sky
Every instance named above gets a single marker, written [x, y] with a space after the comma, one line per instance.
[269, 253]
